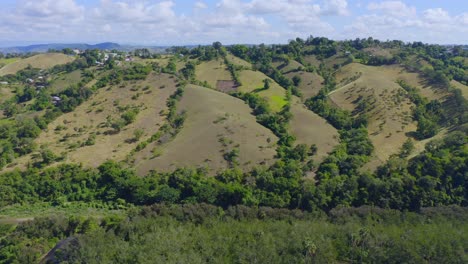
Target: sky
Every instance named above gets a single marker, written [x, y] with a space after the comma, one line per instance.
[177, 22]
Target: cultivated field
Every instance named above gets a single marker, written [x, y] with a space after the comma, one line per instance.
[41, 61]
[216, 124]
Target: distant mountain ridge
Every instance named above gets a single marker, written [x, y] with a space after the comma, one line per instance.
[59, 46]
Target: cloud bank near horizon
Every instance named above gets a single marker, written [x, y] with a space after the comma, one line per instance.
[170, 22]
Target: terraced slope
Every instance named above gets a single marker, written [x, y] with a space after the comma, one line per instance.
[216, 124]
[41, 61]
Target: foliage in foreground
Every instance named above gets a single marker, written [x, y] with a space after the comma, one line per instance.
[201, 233]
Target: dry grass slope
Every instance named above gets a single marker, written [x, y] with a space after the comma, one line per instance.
[389, 110]
[41, 61]
[69, 131]
[238, 61]
[311, 83]
[309, 128]
[212, 72]
[216, 123]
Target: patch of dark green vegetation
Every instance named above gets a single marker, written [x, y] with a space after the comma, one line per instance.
[200, 233]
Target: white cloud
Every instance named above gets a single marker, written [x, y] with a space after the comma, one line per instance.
[229, 21]
[394, 8]
[436, 15]
[336, 7]
[431, 25]
[47, 8]
[200, 5]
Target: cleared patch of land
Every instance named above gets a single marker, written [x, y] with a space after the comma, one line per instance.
[252, 81]
[378, 51]
[63, 81]
[212, 71]
[309, 128]
[216, 124]
[41, 61]
[90, 121]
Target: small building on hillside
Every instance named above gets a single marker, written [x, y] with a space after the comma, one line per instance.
[4, 83]
[56, 99]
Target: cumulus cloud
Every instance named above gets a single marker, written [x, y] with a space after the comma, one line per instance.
[396, 20]
[47, 8]
[394, 8]
[336, 7]
[230, 21]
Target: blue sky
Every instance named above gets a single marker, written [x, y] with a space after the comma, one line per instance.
[177, 22]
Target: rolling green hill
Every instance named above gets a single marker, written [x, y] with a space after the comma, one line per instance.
[207, 137]
[41, 61]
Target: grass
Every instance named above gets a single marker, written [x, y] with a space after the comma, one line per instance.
[238, 61]
[212, 72]
[63, 81]
[311, 82]
[390, 114]
[309, 128]
[211, 129]
[90, 118]
[42, 61]
[253, 81]
[5, 61]
[286, 68]
[462, 87]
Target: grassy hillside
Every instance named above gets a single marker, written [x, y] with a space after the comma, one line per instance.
[212, 72]
[374, 91]
[216, 124]
[309, 128]
[252, 81]
[310, 83]
[389, 111]
[62, 81]
[41, 61]
[86, 136]
[462, 87]
[238, 61]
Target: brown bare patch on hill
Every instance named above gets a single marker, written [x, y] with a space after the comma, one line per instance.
[226, 86]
